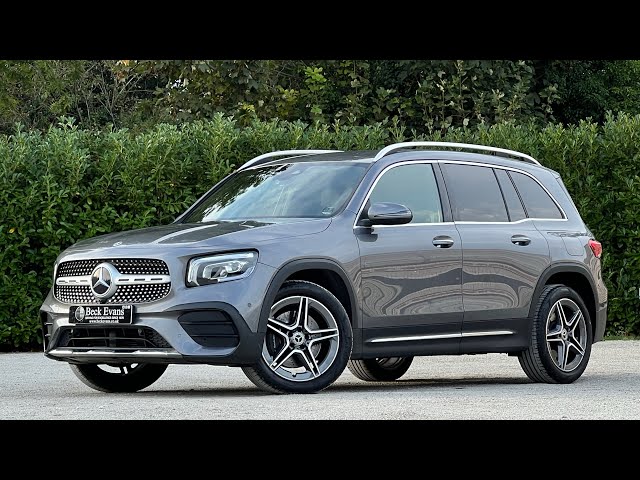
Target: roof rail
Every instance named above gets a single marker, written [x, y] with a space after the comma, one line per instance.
[468, 146]
[284, 153]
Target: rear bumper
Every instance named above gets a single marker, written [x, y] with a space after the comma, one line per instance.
[601, 322]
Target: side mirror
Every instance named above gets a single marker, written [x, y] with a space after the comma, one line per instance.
[385, 213]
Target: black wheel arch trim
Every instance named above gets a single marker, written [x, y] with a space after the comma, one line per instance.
[562, 267]
[298, 265]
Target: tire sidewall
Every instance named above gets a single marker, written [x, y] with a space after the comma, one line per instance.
[312, 290]
[552, 297]
[388, 374]
[97, 378]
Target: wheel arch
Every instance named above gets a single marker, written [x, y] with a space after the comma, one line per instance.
[323, 271]
[573, 275]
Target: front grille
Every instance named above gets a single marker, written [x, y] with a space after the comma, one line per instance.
[143, 293]
[134, 293]
[126, 266]
[111, 337]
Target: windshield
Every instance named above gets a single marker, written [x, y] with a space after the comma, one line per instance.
[295, 190]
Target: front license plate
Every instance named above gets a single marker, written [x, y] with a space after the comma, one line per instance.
[101, 314]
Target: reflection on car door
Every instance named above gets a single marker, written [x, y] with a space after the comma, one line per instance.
[411, 274]
[504, 255]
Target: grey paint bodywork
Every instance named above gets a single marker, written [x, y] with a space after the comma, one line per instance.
[400, 283]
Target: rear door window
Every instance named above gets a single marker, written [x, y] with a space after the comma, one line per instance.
[474, 193]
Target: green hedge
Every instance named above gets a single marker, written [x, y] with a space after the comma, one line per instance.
[67, 184]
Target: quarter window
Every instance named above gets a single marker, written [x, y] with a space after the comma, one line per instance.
[413, 186]
[474, 193]
[537, 202]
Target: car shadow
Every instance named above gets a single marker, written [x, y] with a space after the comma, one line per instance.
[433, 382]
[389, 387]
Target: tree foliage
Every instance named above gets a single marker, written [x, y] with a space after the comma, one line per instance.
[588, 89]
[35, 94]
[67, 183]
[427, 95]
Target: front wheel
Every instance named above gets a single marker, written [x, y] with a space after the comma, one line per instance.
[118, 378]
[307, 343]
[385, 369]
[561, 337]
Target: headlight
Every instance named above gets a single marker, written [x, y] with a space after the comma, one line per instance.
[220, 268]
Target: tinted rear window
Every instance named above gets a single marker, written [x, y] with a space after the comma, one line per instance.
[475, 193]
[537, 202]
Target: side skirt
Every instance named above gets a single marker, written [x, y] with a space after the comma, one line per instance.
[495, 336]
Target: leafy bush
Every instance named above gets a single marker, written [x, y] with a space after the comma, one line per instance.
[428, 95]
[66, 184]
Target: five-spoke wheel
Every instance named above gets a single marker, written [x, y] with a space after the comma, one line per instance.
[566, 334]
[302, 338]
[307, 342]
[561, 337]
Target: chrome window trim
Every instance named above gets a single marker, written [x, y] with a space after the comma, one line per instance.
[470, 222]
[461, 222]
[413, 225]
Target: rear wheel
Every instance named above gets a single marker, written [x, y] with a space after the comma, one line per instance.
[307, 343]
[561, 337]
[118, 378]
[385, 369]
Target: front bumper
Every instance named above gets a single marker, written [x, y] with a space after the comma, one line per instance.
[180, 341]
[213, 324]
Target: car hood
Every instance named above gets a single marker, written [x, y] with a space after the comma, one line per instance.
[233, 233]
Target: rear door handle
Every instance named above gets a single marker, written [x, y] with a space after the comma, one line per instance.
[520, 240]
[443, 241]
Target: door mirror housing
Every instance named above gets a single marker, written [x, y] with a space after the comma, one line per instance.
[386, 213]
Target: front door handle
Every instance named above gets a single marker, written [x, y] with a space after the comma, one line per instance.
[443, 241]
[520, 240]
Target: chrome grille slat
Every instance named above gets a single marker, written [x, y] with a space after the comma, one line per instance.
[152, 281]
[126, 266]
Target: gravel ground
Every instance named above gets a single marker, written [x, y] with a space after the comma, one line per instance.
[466, 387]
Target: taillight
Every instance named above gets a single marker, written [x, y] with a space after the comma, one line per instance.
[596, 248]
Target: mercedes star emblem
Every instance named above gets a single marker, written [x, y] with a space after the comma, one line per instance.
[103, 282]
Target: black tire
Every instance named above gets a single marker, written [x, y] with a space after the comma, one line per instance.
[268, 380]
[539, 361]
[380, 369]
[136, 378]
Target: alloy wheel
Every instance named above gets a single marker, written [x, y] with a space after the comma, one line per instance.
[566, 334]
[302, 339]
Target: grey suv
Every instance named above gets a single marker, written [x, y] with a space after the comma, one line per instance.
[294, 268]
